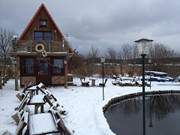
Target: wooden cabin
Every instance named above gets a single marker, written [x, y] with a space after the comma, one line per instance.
[42, 52]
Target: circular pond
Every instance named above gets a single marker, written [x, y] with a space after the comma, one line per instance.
[162, 114]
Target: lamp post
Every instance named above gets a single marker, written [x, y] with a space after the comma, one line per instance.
[14, 61]
[149, 61]
[150, 111]
[102, 62]
[143, 46]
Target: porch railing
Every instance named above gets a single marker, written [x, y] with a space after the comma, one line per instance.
[29, 46]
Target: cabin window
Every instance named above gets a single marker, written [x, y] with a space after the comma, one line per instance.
[40, 36]
[43, 23]
[58, 66]
[27, 66]
[47, 37]
[43, 68]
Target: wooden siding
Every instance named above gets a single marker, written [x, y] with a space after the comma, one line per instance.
[26, 79]
[58, 80]
[26, 41]
[57, 47]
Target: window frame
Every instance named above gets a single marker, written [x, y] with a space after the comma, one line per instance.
[23, 66]
[38, 37]
[41, 21]
[62, 70]
[44, 36]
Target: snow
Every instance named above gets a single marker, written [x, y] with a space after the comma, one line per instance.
[8, 102]
[37, 99]
[33, 88]
[83, 105]
[42, 123]
[156, 72]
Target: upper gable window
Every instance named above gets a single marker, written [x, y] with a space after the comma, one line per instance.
[40, 36]
[43, 23]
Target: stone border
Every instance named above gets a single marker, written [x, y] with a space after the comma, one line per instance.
[134, 95]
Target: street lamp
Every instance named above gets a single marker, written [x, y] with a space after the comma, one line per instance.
[143, 46]
[102, 62]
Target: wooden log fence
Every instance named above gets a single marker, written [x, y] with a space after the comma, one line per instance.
[23, 113]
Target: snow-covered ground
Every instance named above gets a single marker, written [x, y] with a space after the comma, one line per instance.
[83, 104]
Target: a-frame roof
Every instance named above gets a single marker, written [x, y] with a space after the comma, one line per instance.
[42, 7]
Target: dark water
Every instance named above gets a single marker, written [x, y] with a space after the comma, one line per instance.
[162, 116]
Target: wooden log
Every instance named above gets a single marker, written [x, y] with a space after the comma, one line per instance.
[50, 95]
[60, 123]
[46, 99]
[3, 81]
[21, 129]
[17, 116]
[20, 96]
[21, 126]
[24, 102]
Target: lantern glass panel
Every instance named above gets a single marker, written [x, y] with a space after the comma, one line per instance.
[143, 47]
[102, 60]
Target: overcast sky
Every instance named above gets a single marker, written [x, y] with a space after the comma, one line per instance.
[101, 23]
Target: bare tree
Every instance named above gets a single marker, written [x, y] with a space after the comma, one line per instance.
[159, 50]
[93, 52]
[126, 51]
[5, 45]
[91, 58]
[111, 53]
[77, 64]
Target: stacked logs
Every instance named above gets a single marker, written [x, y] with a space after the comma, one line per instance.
[23, 112]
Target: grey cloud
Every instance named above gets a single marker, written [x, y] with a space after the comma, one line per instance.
[101, 23]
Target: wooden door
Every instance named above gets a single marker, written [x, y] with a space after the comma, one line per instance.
[43, 71]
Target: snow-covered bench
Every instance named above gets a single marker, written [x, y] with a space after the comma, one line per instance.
[84, 83]
[42, 123]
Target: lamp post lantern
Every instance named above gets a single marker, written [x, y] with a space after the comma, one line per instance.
[143, 46]
[102, 61]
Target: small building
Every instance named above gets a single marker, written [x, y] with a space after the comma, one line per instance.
[42, 52]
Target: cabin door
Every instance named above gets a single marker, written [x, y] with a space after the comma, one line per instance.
[43, 71]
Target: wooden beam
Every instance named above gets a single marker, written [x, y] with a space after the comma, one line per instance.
[66, 77]
[23, 53]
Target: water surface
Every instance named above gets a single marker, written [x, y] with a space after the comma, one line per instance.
[162, 115]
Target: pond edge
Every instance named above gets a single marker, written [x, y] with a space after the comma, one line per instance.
[134, 95]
